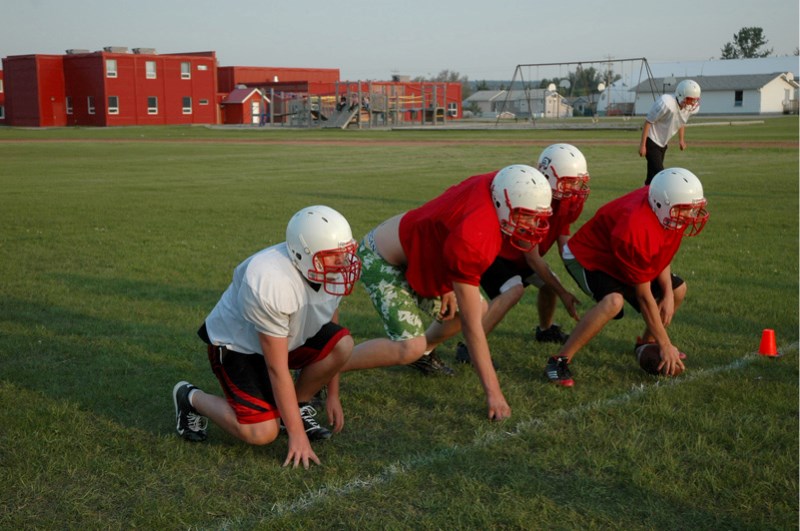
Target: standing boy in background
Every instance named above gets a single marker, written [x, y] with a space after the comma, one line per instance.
[668, 115]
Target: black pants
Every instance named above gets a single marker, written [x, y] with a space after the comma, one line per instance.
[655, 159]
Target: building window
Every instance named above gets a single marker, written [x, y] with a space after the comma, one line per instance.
[203, 102]
[90, 104]
[111, 68]
[738, 98]
[152, 105]
[150, 69]
[186, 70]
[69, 104]
[452, 109]
[2, 112]
[1, 85]
[113, 105]
[187, 105]
[202, 68]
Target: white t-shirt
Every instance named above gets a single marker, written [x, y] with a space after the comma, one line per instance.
[665, 118]
[269, 295]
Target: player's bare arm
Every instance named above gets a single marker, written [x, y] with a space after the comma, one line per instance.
[670, 357]
[667, 304]
[538, 264]
[276, 355]
[469, 303]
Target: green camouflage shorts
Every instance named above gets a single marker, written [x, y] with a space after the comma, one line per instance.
[400, 308]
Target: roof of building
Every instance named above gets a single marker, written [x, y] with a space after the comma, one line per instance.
[724, 82]
[240, 95]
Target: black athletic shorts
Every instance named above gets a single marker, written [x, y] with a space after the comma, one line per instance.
[244, 378]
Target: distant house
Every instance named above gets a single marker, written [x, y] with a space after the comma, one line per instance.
[539, 103]
[640, 92]
[583, 105]
[485, 102]
[732, 94]
[244, 106]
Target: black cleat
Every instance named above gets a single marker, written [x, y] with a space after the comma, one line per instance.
[557, 371]
[190, 424]
[314, 431]
[431, 365]
[462, 355]
[554, 334]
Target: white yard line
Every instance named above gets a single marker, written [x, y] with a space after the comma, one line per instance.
[418, 461]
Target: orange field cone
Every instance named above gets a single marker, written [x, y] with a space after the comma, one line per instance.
[768, 346]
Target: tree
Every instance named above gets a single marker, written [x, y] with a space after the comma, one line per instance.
[449, 76]
[581, 82]
[746, 45]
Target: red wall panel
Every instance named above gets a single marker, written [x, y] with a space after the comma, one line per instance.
[230, 76]
[34, 90]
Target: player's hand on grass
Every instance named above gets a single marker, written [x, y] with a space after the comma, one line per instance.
[300, 451]
[333, 407]
[498, 409]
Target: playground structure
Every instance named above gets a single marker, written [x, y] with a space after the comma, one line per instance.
[598, 89]
[364, 104]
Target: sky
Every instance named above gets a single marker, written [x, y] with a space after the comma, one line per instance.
[483, 40]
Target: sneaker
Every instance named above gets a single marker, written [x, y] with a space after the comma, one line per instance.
[431, 365]
[557, 371]
[462, 355]
[314, 431]
[639, 343]
[554, 334]
[318, 400]
[190, 424]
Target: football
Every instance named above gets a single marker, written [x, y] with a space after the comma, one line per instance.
[649, 358]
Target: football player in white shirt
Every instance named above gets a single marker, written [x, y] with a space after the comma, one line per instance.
[668, 115]
[280, 313]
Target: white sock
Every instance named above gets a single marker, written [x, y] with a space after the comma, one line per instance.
[191, 394]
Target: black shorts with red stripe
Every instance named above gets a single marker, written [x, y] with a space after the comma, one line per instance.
[244, 378]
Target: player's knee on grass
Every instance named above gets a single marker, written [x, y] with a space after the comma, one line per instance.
[259, 434]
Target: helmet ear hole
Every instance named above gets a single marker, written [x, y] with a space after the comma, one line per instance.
[564, 165]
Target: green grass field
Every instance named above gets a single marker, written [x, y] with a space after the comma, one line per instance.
[115, 244]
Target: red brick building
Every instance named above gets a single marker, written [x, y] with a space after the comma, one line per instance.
[116, 87]
[111, 87]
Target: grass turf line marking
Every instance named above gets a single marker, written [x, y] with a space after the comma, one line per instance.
[401, 467]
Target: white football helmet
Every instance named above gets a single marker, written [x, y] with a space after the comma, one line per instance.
[688, 94]
[676, 196]
[322, 247]
[521, 197]
[565, 168]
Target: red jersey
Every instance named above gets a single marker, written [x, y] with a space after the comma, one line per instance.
[624, 239]
[454, 237]
[565, 213]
